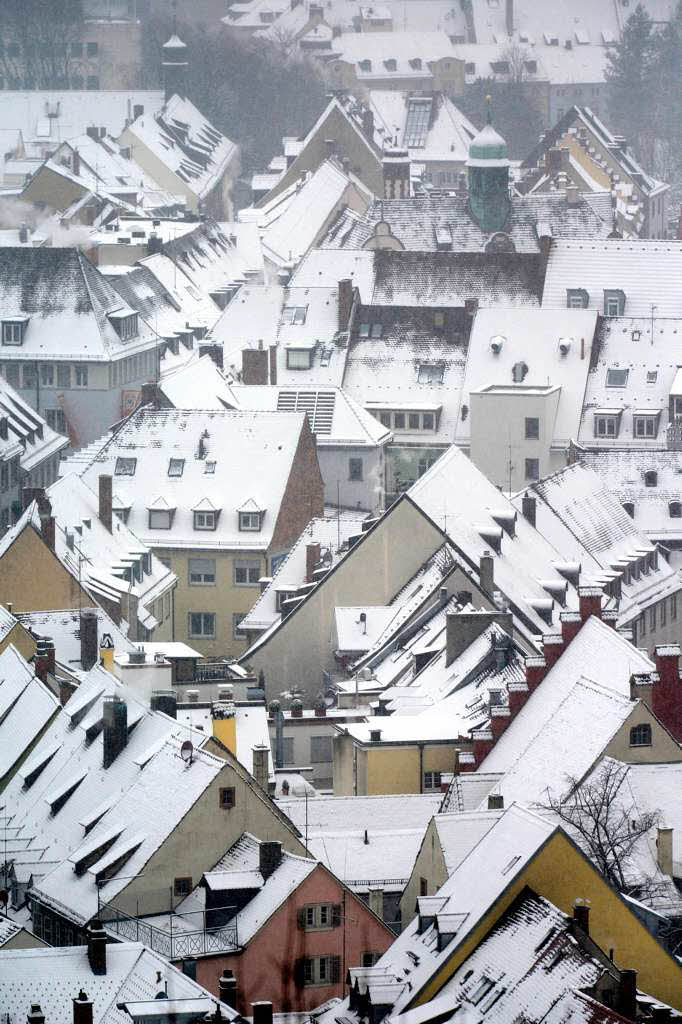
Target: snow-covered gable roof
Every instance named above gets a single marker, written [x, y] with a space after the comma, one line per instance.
[46, 117]
[402, 47]
[28, 429]
[448, 135]
[67, 303]
[187, 143]
[324, 268]
[252, 454]
[533, 336]
[584, 520]
[132, 793]
[51, 976]
[599, 657]
[63, 626]
[646, 270]
[26, 706]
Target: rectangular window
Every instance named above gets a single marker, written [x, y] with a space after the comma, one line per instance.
[4, 476]
[92, 49]
[202, 624]
[606, 426]
[249, 522]
[430, 373]
[645, 426]
[413, 421]
[299, 358]
[294, 315]
[355, 469]
[13, 333]
[532, 428]
[247, 572]
[423, 887]
[237, 618]
[652, 618]
[125, 466]
[30, 375]
[81, 376]
[616, 378]
[399, 420]
[176, 467]
[431, 780]
[202, 571]
[664, 613]
[160, 519]
[56, 420]
[12, 374]
[321, 916]
[673, 606]
[205, 521]
[47, 375]
[428, 422]
[320, 749]
[385, 418]
[532, 469]
[182, 886]
[288, 750]
[226, 797]
[63, 375]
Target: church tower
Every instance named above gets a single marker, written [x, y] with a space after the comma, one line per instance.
[175, 65]
[488, 169]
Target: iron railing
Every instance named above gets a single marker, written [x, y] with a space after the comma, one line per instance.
[169, 933]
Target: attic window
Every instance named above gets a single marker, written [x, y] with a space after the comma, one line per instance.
[176, 467]
[607, 425]
[640, 735]
[125, 467]
[629, 507]
[430, 373]
[125, 325]
[294, 315]
[616, 378]
[675, 509]
[469, 68]
[645, 426]
[391, 64]
[160, 518]
[577, 298]
[614, 302]
[371, 330]
[651, 376]
[205, 520]
[416, 63]
[365, 65]
[651, 478]
[13, 331]
[250, 522]
[499, 67]
[209, 468]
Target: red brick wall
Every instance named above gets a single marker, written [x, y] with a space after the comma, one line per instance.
[303, 497]
[265, 970]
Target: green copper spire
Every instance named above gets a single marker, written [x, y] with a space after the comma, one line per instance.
[488, 165]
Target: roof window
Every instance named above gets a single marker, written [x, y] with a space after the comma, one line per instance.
[616, 378]
[299, 358]
[675, 509]
[430, 373]
[651, 376]
[614, 302]
[14, 331]
[294, 315]
[176, 467]
[481, 991]
[125, 466]
[374, 330]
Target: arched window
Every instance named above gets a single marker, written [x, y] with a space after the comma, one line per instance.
[675, 509]
[640, 735]
[651, 478]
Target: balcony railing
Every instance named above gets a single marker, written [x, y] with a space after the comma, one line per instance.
[212, 671]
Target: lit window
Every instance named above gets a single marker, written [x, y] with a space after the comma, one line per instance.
[205, 520]
[202, 624]
[247, 572]
[532, 469]
[532, 428]
[176, 467]
[202, 571]
[125, 467]
[250, 521]
[640, 735]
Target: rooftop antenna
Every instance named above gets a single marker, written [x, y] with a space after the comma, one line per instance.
[654, 307]
[174, 5]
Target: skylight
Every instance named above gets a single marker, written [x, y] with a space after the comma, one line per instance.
[176, 467]
[125, 467]
[417, 122]
[616, 378]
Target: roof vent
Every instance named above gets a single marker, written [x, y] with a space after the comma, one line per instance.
[496, 344]
[565, 346]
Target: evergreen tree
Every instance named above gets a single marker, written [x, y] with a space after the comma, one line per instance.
[631, 74]
[668, 90]
[514, 110]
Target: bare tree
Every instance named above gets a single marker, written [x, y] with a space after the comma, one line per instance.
[608, 824]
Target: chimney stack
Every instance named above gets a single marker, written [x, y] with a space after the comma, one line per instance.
[105, 500]
[273, 363]
[487, 573]
[666, 692]
[262, 1012]
[589, 602]
[44, 659]
[76, 163]
[88, 637]
[227, 989]
[82, 1009]
[626, 1001]
[529, 508]
[97, 947]
[23, 234]
[115, 731]
[255, 365]
[312, 557]
[260, 765]
[345, 302]
[269, 857]
[509, 17]
[368, 124]
[581, 915]
[36, 1016]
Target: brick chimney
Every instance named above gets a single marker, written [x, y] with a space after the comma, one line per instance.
[260, 765]
[105, 491]
[483, 743]
[581, 915]
[529, 508]
[44, 659]
[82, 1009]
[97, 948]
[536, 670]
[88, 637]
[552, 649]
[517, 694]
[666, 693]
[345, 302]
[312, 556]
[570, 626]
[590, 602]
[269, 857]
[255, 365]
[500, 717]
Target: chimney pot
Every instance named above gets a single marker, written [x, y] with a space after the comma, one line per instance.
[227, 989]
[581, 915]
[82, 1009]
[529, 508]
[97, 947]
[105, 500]
[88, 637]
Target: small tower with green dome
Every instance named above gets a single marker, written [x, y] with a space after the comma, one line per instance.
[488, 168]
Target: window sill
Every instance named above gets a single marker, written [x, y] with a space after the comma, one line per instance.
[199, 583]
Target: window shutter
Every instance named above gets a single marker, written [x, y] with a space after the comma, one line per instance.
[299, 977]
[334, 969]
[301, 917]
[336, 915]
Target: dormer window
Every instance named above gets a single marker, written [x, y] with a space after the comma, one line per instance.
[675, 509]
[13, 331]
[614, 302]
[651, 478]
[365, 65]
[416, 63]
[125, 323]
[391, 64]
[430, 373]
[209, 468]
[645, 425]
[629, 507]
[205, 520]
[294, 315]
[176, 467]
[160, 515]
[125, 467]
[250, 522]
[577, 298]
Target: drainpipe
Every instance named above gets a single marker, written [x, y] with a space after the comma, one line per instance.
[421, 767]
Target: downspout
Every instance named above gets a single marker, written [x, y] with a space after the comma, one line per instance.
[421, 767]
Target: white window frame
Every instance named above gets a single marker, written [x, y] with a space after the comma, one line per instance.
[201, 577]
[13, 333]
[645, 425]
[250, 522]
[249, 566]
[607, 420]
[207, 618]
[299, 358]
[205, 520]
[160, 518]
[432, 782]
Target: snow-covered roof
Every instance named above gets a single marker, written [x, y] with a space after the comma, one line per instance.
[324, 268]
[446, 136]
[63, 626]
[533, 336]
[646, 270]
[251, 455]
[355, 814]
[403, 47]
[26, 428]
[586, 523]
[26, 706]
[52, 977]
[47, 117]
[184, 141]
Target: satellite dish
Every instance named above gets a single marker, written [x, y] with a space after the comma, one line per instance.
[186, 751]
